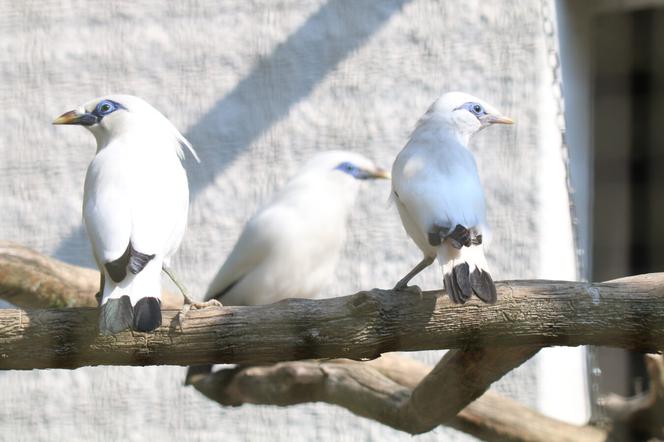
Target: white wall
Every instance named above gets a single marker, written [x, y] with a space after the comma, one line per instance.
[257, 87]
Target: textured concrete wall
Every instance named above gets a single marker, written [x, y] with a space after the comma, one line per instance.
[257, 87]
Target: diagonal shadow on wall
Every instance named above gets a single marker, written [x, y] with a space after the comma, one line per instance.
[266, 95]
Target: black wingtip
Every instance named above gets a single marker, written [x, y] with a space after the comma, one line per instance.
[131, 260]
[137, 260]
[147, 314]
[117, 269]
[483, 286]
[116, 315]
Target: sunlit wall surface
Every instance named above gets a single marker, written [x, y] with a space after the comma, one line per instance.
[257, 87]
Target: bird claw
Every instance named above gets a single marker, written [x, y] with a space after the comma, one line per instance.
[190, 305]
[414, 289]
[206, 304]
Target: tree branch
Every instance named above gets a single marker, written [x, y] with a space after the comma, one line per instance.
[642, 416]
[383, 390]
[624, 313]
[491, 340]
[31, 280]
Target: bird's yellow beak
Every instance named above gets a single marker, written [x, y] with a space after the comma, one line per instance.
[498, 119]
[76, 117]
[67, 118]
[382, 174]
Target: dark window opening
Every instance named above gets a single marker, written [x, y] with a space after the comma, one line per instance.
[628, 212]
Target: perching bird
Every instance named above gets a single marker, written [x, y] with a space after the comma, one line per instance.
[135, 205]
[290, 247]
[439, 196]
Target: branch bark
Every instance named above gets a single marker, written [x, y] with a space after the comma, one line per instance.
[491, 340]
[624, 313]
[640, 417]
[383, 390]
[31, 280]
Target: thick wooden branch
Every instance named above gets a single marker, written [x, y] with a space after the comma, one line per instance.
[31, 280]
[383, 390]
[642, 416]
[625, 313]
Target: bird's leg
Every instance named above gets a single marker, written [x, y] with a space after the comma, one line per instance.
[403, 282]
[460, 237]
[100, 293]
[188, 302]
[181, 287]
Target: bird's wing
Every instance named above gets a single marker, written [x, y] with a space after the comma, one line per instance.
[134, 213]
[160, 200]
[106, 210]
[254, 245]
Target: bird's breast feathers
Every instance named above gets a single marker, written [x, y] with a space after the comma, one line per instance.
[439, 188]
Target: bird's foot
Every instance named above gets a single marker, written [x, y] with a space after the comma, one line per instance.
[414, 289]
[191, 305]
[206, 304]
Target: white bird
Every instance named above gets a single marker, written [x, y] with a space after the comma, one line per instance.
[440, 199]
[135, 205]
[290, 247]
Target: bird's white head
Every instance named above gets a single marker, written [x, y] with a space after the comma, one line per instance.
[116, 115]
[344, 166]
[340, 172]
[464, 114]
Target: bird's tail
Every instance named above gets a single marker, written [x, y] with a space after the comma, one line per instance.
[465, 271]
[134, 302]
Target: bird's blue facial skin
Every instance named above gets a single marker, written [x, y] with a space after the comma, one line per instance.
[474, 108]
[105, 107]
[352, 170]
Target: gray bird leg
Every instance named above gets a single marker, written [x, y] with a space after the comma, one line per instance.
[403, 282]
[100, 293]
[188, 302]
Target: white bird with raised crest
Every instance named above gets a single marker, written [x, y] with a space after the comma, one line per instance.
[439, 196]
[135, 205]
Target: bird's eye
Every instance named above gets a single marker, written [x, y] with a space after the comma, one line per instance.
[105, 107]
[477, 109]
[349, 167]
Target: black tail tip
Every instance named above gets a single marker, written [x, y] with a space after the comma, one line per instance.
[460, 284]
[115, 315]
[147, 314]
[457, 284]
[483, 286]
